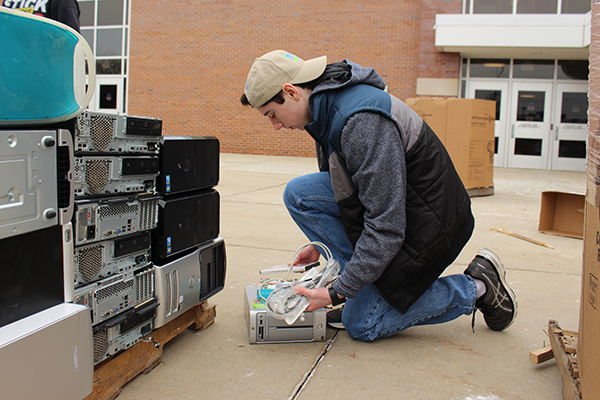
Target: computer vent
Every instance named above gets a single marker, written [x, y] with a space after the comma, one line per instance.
[144, 285]
[100, 344]
[97, 174]
[90, 262]
[101, 131]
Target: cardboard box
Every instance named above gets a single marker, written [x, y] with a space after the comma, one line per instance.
[588, 351]
[433, 111]
[562, 214]
[466, 128]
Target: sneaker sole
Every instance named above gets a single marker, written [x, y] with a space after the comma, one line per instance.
[495, 261]
[336, 325]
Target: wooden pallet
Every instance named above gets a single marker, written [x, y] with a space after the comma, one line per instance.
[563, 347]
[481, 191]
[112, 374]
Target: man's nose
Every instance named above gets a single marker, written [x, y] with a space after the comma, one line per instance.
[277, 124]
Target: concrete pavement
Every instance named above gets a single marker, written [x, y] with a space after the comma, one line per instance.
[446, 361]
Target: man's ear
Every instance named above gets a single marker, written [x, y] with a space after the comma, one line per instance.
[290, 90]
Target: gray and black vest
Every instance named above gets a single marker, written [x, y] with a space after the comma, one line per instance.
[437, 204]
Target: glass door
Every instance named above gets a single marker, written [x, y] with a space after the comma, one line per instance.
[108, 96]
[530, 125]
[570, 127]
[498, 92]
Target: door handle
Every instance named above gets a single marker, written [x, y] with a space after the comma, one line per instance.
[512, 133]
[556, 133]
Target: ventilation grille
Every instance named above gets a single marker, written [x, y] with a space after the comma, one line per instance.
[97, 174]
[83, 122]
[148, 215]
[64, 186]
[144, 285]
[115, 210]
[110, 291]
[90, 262]
[100, 344]
[101, 131]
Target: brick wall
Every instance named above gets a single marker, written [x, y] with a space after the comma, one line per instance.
[189, 59]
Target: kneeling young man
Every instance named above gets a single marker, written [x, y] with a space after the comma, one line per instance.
[387, 202]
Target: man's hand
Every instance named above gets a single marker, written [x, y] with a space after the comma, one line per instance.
[318, 297]
[308, 255]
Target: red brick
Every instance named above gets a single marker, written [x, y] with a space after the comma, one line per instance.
[189, 59]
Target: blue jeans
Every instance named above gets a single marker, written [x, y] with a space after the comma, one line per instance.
[311, 203]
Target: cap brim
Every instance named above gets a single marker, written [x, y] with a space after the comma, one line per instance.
[311, 70]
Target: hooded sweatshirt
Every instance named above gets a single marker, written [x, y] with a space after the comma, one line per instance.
[400, 198]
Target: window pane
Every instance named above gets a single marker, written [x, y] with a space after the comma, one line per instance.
[530, 106]
[574, 108]
[573, 69]
[494, 95]
[572, 149]
[88, 35]
[108, 96]
[537, 7]
[537, 69]
[486, 68]
[110, 12]
[109, 42]
[464, 67]
[125, 42]
[528, 147]
[86, 7]
[108, 67]
[575, 6]
[492, 6]
[467, 6]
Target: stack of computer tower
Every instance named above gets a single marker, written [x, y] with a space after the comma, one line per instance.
[187, 252]
[116, 164]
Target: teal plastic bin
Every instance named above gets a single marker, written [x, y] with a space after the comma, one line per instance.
[42, 70]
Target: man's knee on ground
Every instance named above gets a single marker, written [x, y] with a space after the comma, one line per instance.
[357, 330]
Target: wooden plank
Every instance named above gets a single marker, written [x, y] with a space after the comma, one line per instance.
[112, 374]
[503, 230]
[541, 355]
[571, 389]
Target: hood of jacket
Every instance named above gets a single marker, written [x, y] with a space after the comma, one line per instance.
[322, 97]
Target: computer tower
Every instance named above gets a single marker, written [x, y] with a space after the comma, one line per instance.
[123, 331]
[116, 133]
[188, 163]
[111, 257]
[112, 296]
[34, 272]
[99, 176]
[185, 221]
[263, 328]
[48, 355]
[97, 220]
[35, 189]
[185, 281]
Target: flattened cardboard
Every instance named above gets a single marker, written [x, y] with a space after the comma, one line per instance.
[562, 214]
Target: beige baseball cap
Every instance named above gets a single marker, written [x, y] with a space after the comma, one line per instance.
[271, 71]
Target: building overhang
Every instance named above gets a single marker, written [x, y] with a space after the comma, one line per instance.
[525, 36]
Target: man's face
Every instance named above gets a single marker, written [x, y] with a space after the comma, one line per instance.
[294, 113]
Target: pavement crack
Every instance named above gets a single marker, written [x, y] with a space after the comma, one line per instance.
[310, 372]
